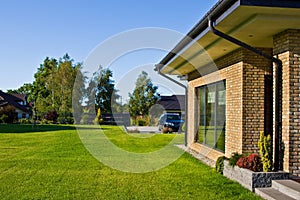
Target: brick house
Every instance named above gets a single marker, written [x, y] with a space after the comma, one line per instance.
[242, 60]
[18, 102]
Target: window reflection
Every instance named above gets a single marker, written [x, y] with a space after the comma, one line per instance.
[211, 115]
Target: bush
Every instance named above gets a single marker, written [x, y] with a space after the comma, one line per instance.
[65, 120]
[24, 121]
[70, 120]
[242, 162]
[219, 167]
[98, 119]
[265, 148]
[234, 158]
[4, 118]
[61, 120]
[251, 162]
[141, 122]
[8, 114]
[44, 121]
[51, 116]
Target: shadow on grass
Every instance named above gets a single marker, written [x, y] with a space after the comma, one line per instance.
[29, 128]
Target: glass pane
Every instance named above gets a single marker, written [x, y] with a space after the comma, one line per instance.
[210, 136]
[211, 116]
[220, 137]
[202, 113]
[221, 116]
[201, 133]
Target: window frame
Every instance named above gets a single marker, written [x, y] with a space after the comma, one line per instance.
[200, 114]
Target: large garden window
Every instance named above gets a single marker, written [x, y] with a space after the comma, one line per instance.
[211, 115]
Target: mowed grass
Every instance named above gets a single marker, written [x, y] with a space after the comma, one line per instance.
[52, 163]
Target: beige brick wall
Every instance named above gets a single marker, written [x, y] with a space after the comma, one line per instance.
[287, 48]
[254, 71]
[244, 74]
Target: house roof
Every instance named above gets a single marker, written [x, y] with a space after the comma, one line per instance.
[9, 99]
[20, 96]
[254, 22]
[174, 102]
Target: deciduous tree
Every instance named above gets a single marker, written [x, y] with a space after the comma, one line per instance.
[143, 97]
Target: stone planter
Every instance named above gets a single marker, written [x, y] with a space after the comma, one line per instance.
[250, 179]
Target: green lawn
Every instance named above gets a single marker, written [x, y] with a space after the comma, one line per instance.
[52, 163]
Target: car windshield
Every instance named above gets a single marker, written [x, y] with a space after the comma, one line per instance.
[173, 117]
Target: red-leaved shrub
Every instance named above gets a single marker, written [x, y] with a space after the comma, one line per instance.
[251, 162]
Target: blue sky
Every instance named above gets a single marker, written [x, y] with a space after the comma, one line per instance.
[34, 29]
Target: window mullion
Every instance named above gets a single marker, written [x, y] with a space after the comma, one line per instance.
[205, 100]
[215, 116]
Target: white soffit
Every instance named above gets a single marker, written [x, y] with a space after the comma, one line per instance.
[255, 26]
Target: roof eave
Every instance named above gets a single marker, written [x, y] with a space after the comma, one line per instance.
[218, 10]
[215, 11]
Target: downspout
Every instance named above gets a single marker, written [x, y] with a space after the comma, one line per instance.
[278, 86]
[158, 68]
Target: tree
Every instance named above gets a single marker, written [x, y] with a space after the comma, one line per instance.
[44, 86]
[26, 88]
[143, 97]
[102, 89]
[64, 81]
[79, 93]
[53, 87]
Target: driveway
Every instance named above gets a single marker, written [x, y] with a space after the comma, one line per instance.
[143, 129]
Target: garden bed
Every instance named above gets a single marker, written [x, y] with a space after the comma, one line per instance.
[250, 179]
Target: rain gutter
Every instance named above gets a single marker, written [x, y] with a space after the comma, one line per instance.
[278, 85]
[158, 68]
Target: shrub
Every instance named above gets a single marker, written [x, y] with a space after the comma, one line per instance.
[254, 163]
[251, 162]
[4, 118]
[265, 148]
[235, 156]
[219, 167]
[242, 162]
[44, 121]
[24, 121]
[61, 120]
[141, 122]
[98, 119]
[8, 114]
[70, 120]
[51, 116]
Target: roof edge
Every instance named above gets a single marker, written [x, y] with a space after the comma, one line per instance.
[215, 12]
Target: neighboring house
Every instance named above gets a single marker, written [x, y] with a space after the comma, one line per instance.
[235, 89]
[18, 101]
[173, 104]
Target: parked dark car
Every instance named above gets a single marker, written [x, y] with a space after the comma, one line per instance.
[170, 122]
